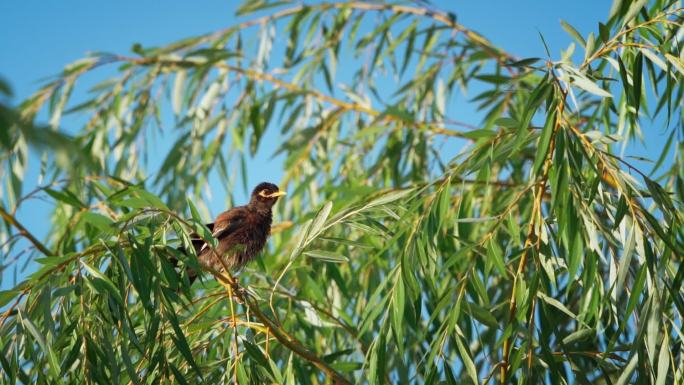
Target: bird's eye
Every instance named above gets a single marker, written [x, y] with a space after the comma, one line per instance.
[263, 193]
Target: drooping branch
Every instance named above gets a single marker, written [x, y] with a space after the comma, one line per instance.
[261, 76]
[533, 239]
[24, 232]
[442, 17]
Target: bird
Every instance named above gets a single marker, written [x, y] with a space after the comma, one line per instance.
[240, 232]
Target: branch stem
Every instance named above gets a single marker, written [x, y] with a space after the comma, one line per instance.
[24, 232]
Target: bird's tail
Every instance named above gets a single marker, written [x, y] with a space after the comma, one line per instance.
[197, 244]
[192, 274]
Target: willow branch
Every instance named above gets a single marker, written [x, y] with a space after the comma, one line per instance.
[262, 76]
[532, 240]
[440, 17]
[227, 280]
[24, 232]
[614, 43]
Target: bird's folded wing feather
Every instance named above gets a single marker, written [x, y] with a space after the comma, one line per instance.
[225, 224]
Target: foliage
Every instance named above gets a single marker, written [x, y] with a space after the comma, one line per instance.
[536, 254]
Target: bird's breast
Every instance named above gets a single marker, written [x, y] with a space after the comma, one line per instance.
[245, 243]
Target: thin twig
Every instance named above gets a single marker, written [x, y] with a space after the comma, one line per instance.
[25, 233]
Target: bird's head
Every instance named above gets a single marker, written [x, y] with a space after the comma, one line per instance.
[265, 196]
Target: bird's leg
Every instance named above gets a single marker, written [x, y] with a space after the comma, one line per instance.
[232, 291]
[241, 295]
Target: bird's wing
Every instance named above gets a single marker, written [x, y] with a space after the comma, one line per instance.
[226, 223]
[197, 242]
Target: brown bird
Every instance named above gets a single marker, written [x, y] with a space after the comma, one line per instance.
[241, 232]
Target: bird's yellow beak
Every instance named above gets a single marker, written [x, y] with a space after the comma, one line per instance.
[272, 195]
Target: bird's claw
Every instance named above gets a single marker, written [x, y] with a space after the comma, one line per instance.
[237, 293]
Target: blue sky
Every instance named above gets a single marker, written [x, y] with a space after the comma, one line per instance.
[38, 38]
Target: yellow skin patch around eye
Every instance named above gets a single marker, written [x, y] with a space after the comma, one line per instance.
[265, 194]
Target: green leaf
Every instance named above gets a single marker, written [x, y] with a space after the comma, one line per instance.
[633, 11]
[626, 373]
[466, 358]
[133, 203]
[544, 142]
[53, 364]
[557, 304]
[637, 289]
[319, 220]
[103, 283]
[591, 46]
[604, 33]
[100, 221]
[8, 295]
[584, 83]
[636, 76]
[66, 197]
[388, 198]
[477, 134]
[376, 370]
[483, 315]
[494, 78]
[198, 219]
[178, 86]
[326, 256]
[625, 80]
[495, 254]
[398, 307]
[525, 62]
[579, 335]
[573, 32]
[546, 46]
[181, 343]
[663, 361]
[615, 8]
[178, 376]
[506, 122]
[152, 199]
[256, 353]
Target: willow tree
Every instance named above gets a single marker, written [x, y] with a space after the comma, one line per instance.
[412, 247]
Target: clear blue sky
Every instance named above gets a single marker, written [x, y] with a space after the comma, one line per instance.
[38, 38]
